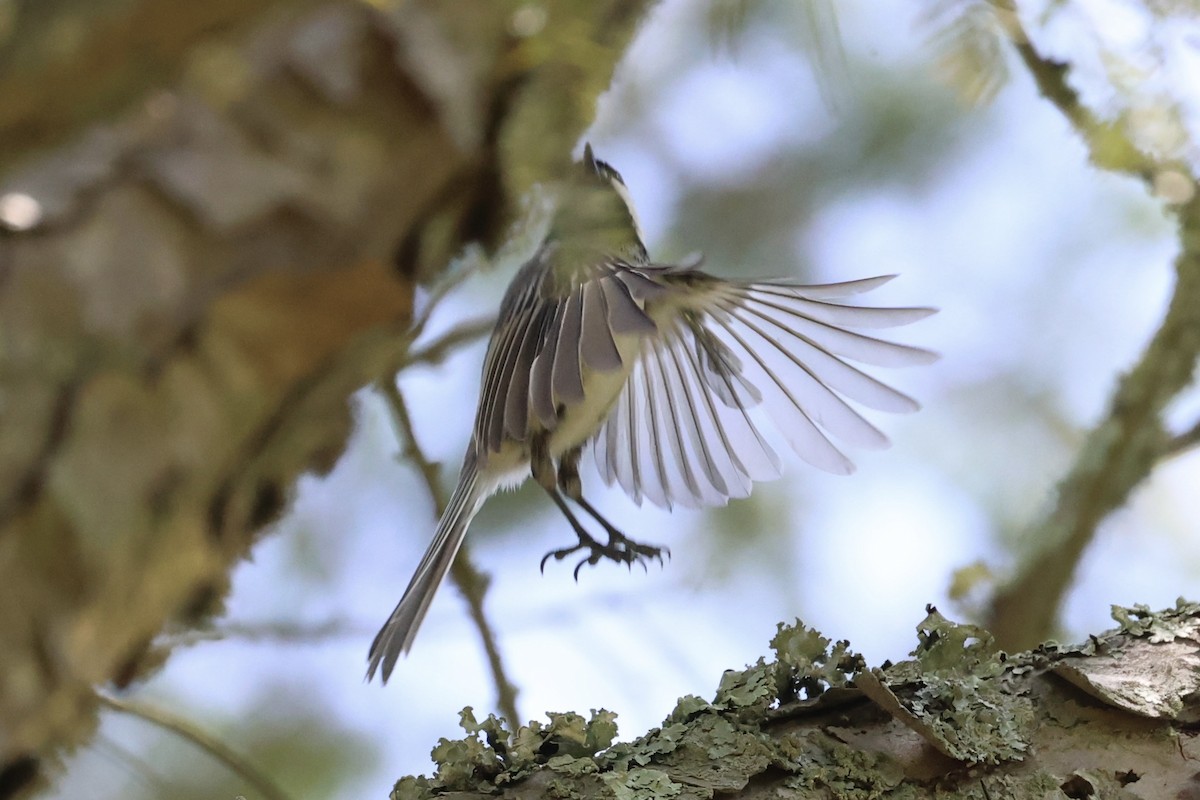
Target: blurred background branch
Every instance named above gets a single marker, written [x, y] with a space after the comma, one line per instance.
[1122, 451]
[206, 742]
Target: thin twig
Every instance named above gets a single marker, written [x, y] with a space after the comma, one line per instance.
[470, 581]
[1184, 441]
[450, 280]
[1108, 146]
[135, 765]
[410, 450]
[436, 351]
[275, 631]
[211, 745]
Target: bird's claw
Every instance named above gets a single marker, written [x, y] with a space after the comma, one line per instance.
[619, 549]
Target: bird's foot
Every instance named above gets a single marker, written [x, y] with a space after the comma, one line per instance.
[620, 548]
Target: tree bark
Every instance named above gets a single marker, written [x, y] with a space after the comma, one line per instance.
[212, 218]
[1113, 718]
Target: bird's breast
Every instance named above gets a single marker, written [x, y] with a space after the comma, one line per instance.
[579, 422]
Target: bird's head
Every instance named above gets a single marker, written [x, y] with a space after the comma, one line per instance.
[595, 215]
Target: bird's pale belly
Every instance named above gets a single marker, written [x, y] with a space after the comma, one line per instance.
[577, 424]
[580, 422]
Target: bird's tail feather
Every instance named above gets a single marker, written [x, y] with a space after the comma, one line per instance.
[397, 634]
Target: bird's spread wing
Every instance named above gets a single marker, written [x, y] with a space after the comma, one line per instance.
[509, 357]
[687, 428]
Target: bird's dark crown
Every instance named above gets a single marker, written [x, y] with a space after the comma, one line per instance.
[601, 168]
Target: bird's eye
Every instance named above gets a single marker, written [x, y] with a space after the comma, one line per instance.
[611, 174]
[606, 171]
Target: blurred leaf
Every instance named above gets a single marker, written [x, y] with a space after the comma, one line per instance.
[968, 579]
[814, 22]
[726, 22]
[969, 38]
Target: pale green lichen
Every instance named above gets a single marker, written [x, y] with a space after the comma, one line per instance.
[968, 697]
[1162, 626]
[566, 734]
[715, 750]
[641, 784]
[687, 707]
[973, 720]
[751, 688]
[846, 773]
[488, 757]
[955, 687]
[412, 788]
[573, 766]
[807, 666]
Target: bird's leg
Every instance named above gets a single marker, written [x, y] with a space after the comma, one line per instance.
[542, 467]
[620, 548]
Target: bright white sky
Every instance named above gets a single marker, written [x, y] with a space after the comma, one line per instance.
[1050, 277]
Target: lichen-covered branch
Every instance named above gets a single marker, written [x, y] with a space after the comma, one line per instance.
[961, 719]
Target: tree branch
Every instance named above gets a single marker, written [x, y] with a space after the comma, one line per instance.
[1181, 443]
[961, 719]
[1125, 447]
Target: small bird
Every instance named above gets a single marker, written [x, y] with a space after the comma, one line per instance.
[666, 371]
